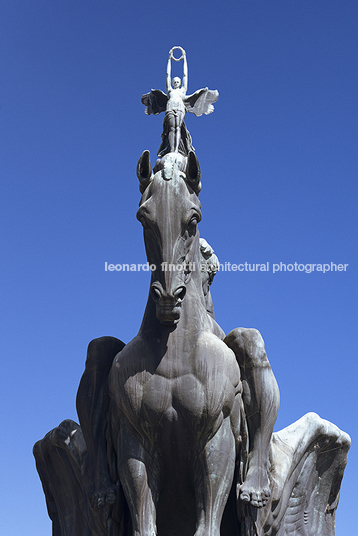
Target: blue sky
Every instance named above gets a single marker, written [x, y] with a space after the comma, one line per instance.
[279, 174]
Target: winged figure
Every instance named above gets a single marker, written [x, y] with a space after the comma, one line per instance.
[175, 103]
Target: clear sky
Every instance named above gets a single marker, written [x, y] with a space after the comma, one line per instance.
[279, 174]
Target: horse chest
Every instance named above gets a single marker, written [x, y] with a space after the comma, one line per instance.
[195, 392]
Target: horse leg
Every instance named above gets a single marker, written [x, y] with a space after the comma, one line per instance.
[261, 401]
[213, 474]
[139, 475]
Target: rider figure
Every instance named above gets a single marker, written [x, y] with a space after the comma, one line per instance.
[260, 391]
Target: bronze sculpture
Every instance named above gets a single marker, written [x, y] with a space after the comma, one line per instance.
[176, 426]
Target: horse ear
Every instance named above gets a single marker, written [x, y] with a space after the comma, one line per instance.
[193, 172]
[144, 171]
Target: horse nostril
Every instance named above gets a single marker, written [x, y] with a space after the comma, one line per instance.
[179, 294]
[155, 293]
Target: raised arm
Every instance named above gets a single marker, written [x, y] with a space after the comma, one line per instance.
[185, 72]
[169, 72]
[185, 68]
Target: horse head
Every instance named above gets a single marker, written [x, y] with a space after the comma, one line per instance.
[169, 212]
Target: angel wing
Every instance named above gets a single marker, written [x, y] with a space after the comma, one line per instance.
[75, 463]
[155, 101]
[200, 102]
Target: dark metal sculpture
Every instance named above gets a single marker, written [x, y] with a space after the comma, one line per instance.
[175, 434]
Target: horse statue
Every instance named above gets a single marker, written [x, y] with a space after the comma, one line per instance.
[176, 391]
[176, 426]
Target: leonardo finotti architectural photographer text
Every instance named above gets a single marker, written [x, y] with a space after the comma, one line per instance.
[229, 267]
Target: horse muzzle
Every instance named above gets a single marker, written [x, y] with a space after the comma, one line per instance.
[168, 304]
